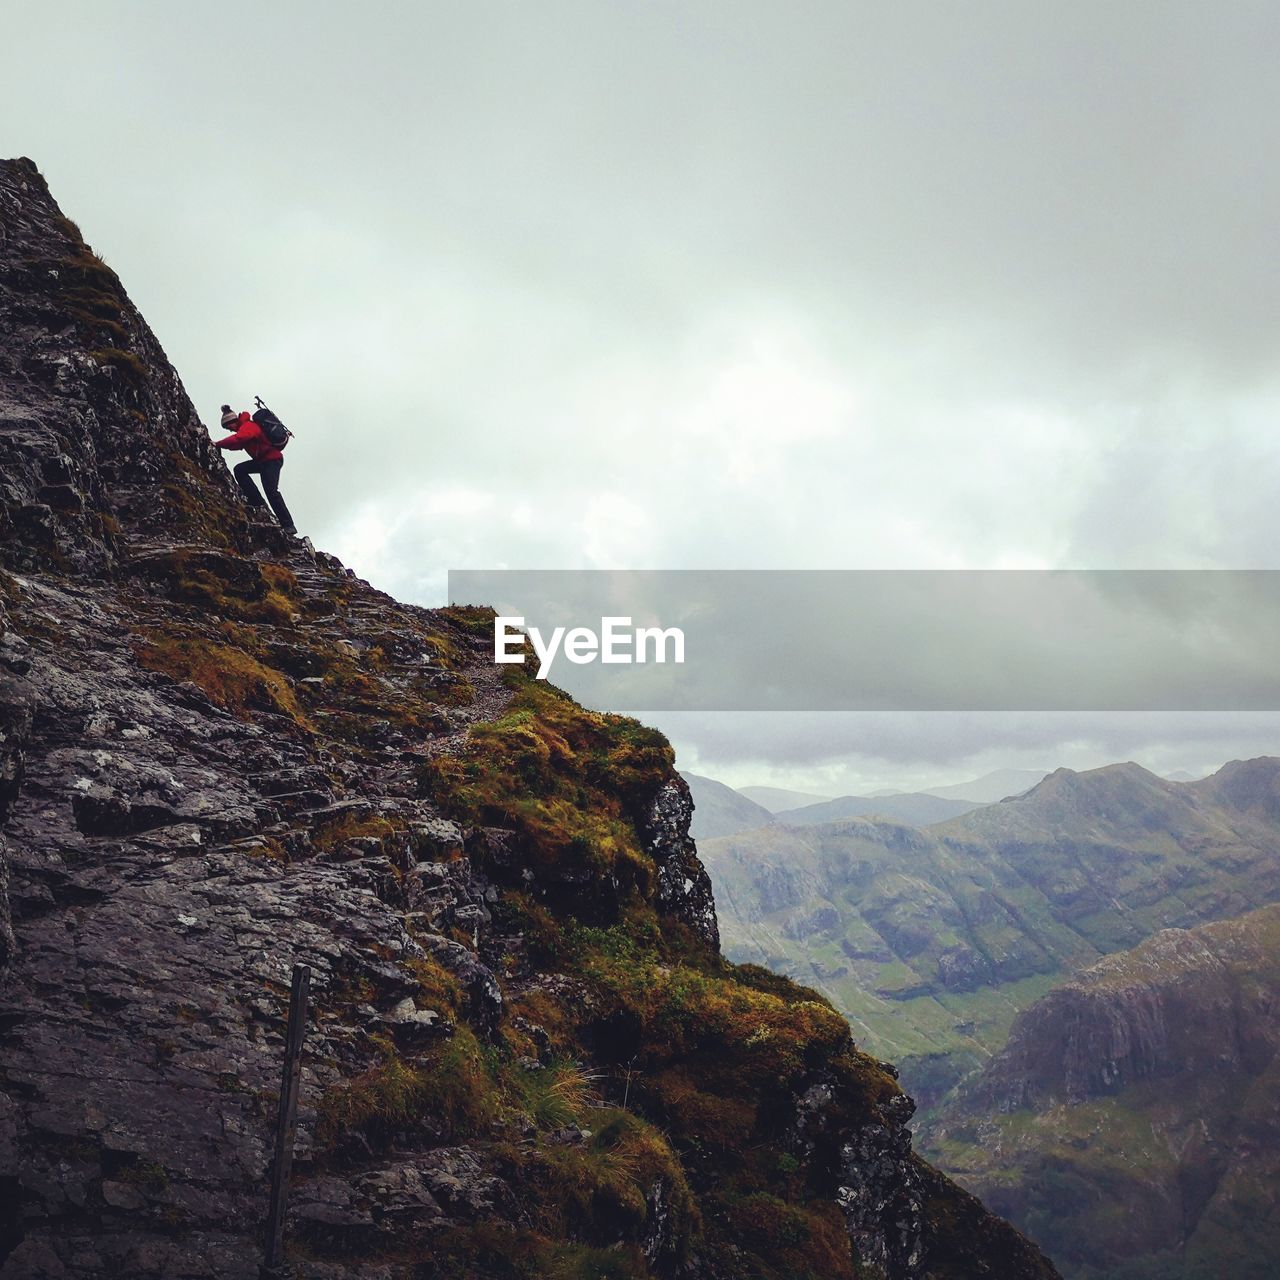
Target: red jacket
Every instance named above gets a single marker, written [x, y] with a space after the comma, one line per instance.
[248, 435]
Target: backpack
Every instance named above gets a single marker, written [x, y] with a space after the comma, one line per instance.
[276, 433]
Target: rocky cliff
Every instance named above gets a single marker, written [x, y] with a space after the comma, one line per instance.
[221, 754]
[1132, 1124]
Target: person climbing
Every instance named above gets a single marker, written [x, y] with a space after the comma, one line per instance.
[265, 459]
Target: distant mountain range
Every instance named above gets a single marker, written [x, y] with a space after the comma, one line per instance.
[917, 809]
[1000, 784]
[775, 799]
[932, 940]
[989, 788]
[721, 810]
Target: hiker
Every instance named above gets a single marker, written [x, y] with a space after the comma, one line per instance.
[265, 459]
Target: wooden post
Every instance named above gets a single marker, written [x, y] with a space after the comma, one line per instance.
[287, 1119]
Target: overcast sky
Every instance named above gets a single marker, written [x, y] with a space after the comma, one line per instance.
[696, 285]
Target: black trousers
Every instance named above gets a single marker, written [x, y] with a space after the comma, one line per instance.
[270, 473]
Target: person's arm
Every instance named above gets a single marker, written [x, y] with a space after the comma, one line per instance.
[236, 440]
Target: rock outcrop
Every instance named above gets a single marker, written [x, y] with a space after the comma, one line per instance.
[222, 754]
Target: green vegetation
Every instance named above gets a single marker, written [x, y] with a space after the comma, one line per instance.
[332, 832]
[597, 1191]
[230, 676]
[557, 1094]
[187, 502]
[477, 620]
[86, 291]
[660, 1069]
[448, 1094]
[130, 366]
[571, 783]
[258, 646]
[503, 1254]
[228, 587]
[713, 1056]
[145, 1174]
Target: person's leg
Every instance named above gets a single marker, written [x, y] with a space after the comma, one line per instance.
[243, 472]
[270, 472]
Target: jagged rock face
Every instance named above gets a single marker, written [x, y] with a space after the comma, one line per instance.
[89, 406]
[17, 702]
[1111, 1029]
[684, 888]
[1149, 1081]
[221, 754]
[883, 1208]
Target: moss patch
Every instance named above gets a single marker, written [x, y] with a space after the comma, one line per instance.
[231, 677]
[597, 1191]
[131, 367]
[573, 784]
[447, 1094]
[227, 586]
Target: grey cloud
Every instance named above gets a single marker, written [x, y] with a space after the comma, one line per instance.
[847, 753]
[918, 640]
[522, 277]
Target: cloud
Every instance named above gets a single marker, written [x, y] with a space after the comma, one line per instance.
[848, 753]
[695, 285]
[917, 640]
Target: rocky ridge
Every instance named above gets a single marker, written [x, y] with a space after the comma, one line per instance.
[221, 753]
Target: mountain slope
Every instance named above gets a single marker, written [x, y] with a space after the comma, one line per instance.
[776, 798]
[719, 810]
[1152, 1082]
[917, 809]
[997, 785]
[1122, 853]
[222, 753]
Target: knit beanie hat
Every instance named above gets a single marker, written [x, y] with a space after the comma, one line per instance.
[229, 416]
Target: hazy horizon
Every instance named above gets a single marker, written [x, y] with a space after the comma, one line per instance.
[745, 777]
